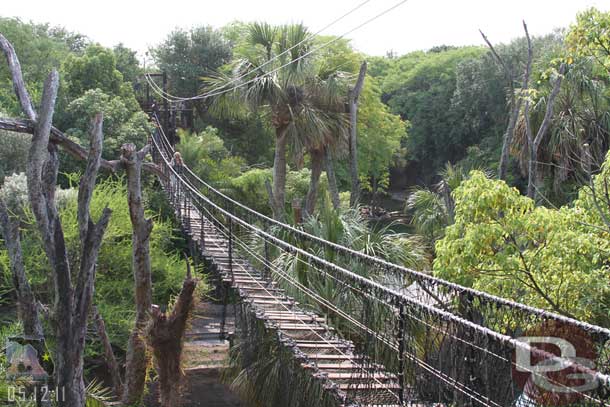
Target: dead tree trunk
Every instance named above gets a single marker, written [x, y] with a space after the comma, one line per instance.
[137, 357]
[27, 306]
[72, 303]
[165, 335]
[353, 95]
[534, 142]
[515, 102]
[332, 179]
[111, 362]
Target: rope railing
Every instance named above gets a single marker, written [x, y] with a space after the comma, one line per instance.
[439, 355]
[430, 284]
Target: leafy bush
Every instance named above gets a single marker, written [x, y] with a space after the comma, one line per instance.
[206, 154]
[550, 258]
[13, 152]
[124, 122]
[14, 192]
[249, 188]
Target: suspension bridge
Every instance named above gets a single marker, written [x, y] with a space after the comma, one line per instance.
[397, 337]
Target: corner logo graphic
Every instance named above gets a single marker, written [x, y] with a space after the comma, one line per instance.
[560, 368]
[23, 363]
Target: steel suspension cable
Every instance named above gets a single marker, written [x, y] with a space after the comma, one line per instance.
[445, 315]
[387, 265]
[170, 97]
[326, 44]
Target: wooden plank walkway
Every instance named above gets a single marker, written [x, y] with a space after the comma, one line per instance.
[333, 359]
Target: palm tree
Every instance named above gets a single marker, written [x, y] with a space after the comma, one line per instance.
[432, 209]
[285, 89]
[328, 95]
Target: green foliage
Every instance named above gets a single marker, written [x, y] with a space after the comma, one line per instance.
[186, 56]
[248, 137]
[95, 69]
[380, 135]
[127, 63]
[206, 154]
[421, 87]
[40, 48]
[590, 36]
[347, 227]
[429, 213]
[13, 153]
[124, 122]
[249, 188]
[502, 243]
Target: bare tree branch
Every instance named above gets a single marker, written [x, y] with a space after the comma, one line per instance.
[42, 168]
[165, 334]
[69, 146]
[87, 182]
[26, 302]
[515, 102]
[37, 159]
[507, 71]
[18, 84]
[332, 179]
[546, 122]
[113, 366]
[91, 234]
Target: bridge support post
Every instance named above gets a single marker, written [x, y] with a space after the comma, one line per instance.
[231, 250]
[187, 213]
[266, 267]
[401, 352]
[177, 197]
[202, 234]
[223, 320]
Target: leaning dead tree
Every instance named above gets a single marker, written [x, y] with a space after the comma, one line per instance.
[533, 143]
[165, 334]
[27, 307]
[515, 100]
[111, 362]
[353, 95]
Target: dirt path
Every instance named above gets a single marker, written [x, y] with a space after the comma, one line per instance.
[204, 358]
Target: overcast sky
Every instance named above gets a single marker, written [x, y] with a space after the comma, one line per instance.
[417, 24]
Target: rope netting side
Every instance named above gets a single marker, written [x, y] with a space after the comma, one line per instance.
[444, 343]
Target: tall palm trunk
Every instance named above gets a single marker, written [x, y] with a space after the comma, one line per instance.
[332, 179]
[279, 172]
[317, 159]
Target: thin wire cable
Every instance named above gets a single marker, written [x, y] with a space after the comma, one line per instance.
[506, 339]
[326, 44]
[283, 305]
[442, 376]
[382, 263]
[461, 387]
[308, 38]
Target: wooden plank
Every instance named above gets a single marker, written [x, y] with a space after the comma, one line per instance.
[360, 376]
[327, 356]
